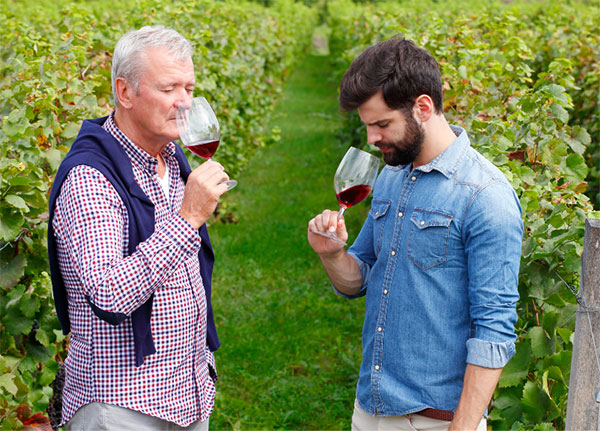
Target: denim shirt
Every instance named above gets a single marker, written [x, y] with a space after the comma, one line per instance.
[439, 256]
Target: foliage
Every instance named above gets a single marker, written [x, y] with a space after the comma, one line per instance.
[523, 80]
[290, 349]
[54, 73]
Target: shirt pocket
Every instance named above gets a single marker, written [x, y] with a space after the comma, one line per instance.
[378, 211]
[428, 238]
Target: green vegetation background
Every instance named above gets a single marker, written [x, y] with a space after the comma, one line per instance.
[291, 347]
[522, 77]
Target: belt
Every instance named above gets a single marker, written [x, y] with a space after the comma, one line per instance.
[442, 415]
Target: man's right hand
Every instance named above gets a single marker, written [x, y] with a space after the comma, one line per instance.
[341, 268]
[327, 222]
[204, 187]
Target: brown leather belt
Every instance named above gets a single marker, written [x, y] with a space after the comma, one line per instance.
[442, 415]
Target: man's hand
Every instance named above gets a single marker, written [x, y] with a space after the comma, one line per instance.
[204, 187]
[342, 269]
[327, 222]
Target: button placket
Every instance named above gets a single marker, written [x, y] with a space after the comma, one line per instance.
[392, 249]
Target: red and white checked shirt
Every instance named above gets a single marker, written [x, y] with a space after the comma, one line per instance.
[91, 231]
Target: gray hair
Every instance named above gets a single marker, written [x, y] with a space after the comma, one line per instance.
[129, 57]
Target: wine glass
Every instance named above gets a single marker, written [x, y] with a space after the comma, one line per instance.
[199, 130]
[354, 179]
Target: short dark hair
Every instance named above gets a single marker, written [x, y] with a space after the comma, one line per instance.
[399, 68]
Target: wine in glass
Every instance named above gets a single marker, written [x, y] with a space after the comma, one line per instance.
[353, 181]
[199, 130]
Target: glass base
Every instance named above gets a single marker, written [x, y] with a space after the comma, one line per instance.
[329, 235]
[230, 184]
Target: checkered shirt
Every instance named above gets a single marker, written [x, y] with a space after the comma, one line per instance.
[91, 231]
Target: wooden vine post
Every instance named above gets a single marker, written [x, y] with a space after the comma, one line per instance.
[583, 406]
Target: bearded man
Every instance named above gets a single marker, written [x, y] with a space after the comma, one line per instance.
[437, 257]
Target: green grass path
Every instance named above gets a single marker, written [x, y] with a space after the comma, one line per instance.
[290, 346]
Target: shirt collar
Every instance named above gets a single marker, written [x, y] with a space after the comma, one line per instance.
[138, 156]
[447, 161]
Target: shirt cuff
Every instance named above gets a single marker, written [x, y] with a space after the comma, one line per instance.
[178, 231]
[488, 354]
[364, 272]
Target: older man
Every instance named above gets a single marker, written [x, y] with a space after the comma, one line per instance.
[130, 255]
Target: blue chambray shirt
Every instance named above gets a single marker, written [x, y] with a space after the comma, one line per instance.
[439, 255]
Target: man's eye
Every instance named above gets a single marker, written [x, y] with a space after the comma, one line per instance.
[383, 126]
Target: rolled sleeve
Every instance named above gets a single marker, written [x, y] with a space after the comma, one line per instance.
[489, 354]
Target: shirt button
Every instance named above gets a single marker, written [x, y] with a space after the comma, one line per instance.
[377, 367]
[413, 178]
[393, 253]
[400, 214]
[422, 223]
[379, 329]
[385, 291]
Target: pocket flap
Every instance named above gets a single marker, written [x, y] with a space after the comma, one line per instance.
[379, 208]
[424, 219]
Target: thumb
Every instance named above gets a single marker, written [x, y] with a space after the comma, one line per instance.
[341, 228]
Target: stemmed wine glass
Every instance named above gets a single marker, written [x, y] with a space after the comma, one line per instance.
[354, 179]
[199, 130]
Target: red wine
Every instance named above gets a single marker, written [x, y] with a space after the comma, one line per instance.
[353, 195]
[204, 149]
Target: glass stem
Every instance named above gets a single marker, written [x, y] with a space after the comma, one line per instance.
[340, 212]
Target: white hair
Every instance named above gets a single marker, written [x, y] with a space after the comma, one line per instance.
[129, 57]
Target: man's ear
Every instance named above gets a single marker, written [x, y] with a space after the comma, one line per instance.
[424, 108]
[124, 92]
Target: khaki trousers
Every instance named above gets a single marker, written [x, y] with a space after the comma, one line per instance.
[107, 417]
[362, 421]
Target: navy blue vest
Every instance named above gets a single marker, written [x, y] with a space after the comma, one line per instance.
[97, 148]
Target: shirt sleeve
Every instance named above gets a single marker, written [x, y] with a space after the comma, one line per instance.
[90, 226]
[493, 232]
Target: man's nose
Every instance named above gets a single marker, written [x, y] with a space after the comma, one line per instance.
[184, 100]
[373, 137]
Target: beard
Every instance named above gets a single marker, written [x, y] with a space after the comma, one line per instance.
[405, 150]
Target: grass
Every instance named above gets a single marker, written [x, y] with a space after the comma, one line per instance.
[290, 347]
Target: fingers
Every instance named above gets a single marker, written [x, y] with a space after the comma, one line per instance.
[210, 170]
[204, 187]
[210, 178]
[327, 221]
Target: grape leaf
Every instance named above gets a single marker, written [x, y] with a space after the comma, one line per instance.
[11, 273]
